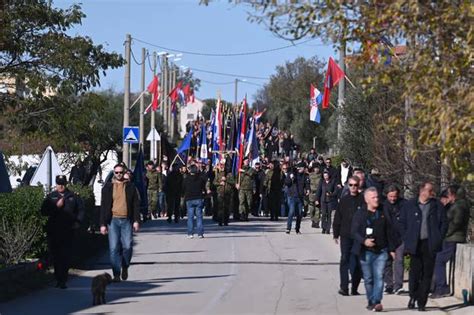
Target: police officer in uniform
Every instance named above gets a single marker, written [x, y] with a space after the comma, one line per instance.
[314, 179]
[65, 211]
[246, 189]
[152, 189]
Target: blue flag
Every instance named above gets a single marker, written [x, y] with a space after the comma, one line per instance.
[186, 144]
[139, 179]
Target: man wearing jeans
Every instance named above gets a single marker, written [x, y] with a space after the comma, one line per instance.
[194, 187]
[298, 187]
[373, 241]
[119, 215]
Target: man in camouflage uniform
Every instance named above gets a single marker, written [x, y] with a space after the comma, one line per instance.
[152, 190]
[224, 185]
[246, 189]
[314, 179]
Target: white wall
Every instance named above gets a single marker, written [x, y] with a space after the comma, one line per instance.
[188, 113]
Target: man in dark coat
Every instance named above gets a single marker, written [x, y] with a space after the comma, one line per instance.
[373, 242]
[119, 217]
[172, 188]
[394, 268]
[327, 199]
[298, 188]
[458, 221]
[423, 226]
[345, 210]
[273, 185]
[65, 211]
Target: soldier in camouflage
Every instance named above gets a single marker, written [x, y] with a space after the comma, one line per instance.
[246, 189]
[152, 190]
[224, 185]
[314, 179]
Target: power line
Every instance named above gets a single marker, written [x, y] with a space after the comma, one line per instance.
[248, 53]
[135, 59]
[229, 74]
[217, 83]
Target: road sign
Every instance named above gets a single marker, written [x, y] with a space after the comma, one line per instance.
[153, 135]
[131, 134]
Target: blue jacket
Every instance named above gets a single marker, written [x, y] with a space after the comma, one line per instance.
[410, 225]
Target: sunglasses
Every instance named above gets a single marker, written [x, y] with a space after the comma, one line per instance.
[353, 185]
[119, 172]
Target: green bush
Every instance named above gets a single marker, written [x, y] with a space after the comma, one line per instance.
[21, 225]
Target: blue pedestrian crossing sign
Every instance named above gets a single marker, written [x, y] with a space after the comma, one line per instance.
[131, 134]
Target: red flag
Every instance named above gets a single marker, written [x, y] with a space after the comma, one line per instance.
[242, 132]
[153, 89]
[188, 94]
[333, 76]
[174, 92]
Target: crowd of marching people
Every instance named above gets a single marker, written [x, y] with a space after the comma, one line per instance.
[373, 225]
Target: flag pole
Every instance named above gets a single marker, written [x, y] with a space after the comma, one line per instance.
[348, 80]
[139, 97]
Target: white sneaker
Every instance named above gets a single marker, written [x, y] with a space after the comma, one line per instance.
[399, 291]
[201, 236]
[190, 236]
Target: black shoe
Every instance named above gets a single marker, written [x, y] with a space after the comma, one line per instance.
[421, 308]
[116, 278]
[62, 285]
[389, 291]
[287, 232]
[298, 232]
[355, 292]
[343, 292]
[155, 216]
[324, 231]
[370, 307]
[220, 224]
[124, 273]
[176, 220]
[168, 220]
[411, 304]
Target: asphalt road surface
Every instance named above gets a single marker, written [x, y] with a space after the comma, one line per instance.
[245, 268]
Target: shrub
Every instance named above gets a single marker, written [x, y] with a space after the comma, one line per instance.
[21, 224]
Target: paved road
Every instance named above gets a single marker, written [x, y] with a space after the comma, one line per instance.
[246, 268]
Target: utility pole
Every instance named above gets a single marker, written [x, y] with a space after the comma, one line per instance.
[152, 117]
[341, 93]
[235, 92]
[165, 93]
[126, 98]
[142, 101]
[172, 117]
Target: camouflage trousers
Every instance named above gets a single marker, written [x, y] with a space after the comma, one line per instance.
[152, 201]
[245, 203]
[223, 207]
[314, 210]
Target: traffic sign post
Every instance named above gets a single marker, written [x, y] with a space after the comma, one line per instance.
[153, 137]
[131, 134]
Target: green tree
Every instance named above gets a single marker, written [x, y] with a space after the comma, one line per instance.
[287, 96]
[210, 105]
[435, 73]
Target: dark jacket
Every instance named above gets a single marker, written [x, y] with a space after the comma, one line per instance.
[173, 184]
[382, 231]
[65, 218]
[133, 203]
[458, 219]
[194, 186]
[327, 193]
[410, 225]
[344, 213]
[349, 174]
[394, 211]
[298, 185]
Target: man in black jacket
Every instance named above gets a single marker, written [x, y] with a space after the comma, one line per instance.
[326, 197]
[194, 187]
[65, 211]
[298, 187]
[394, 269]
[119, 217]
[348, 205]
[373, 241]
[423, 226]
